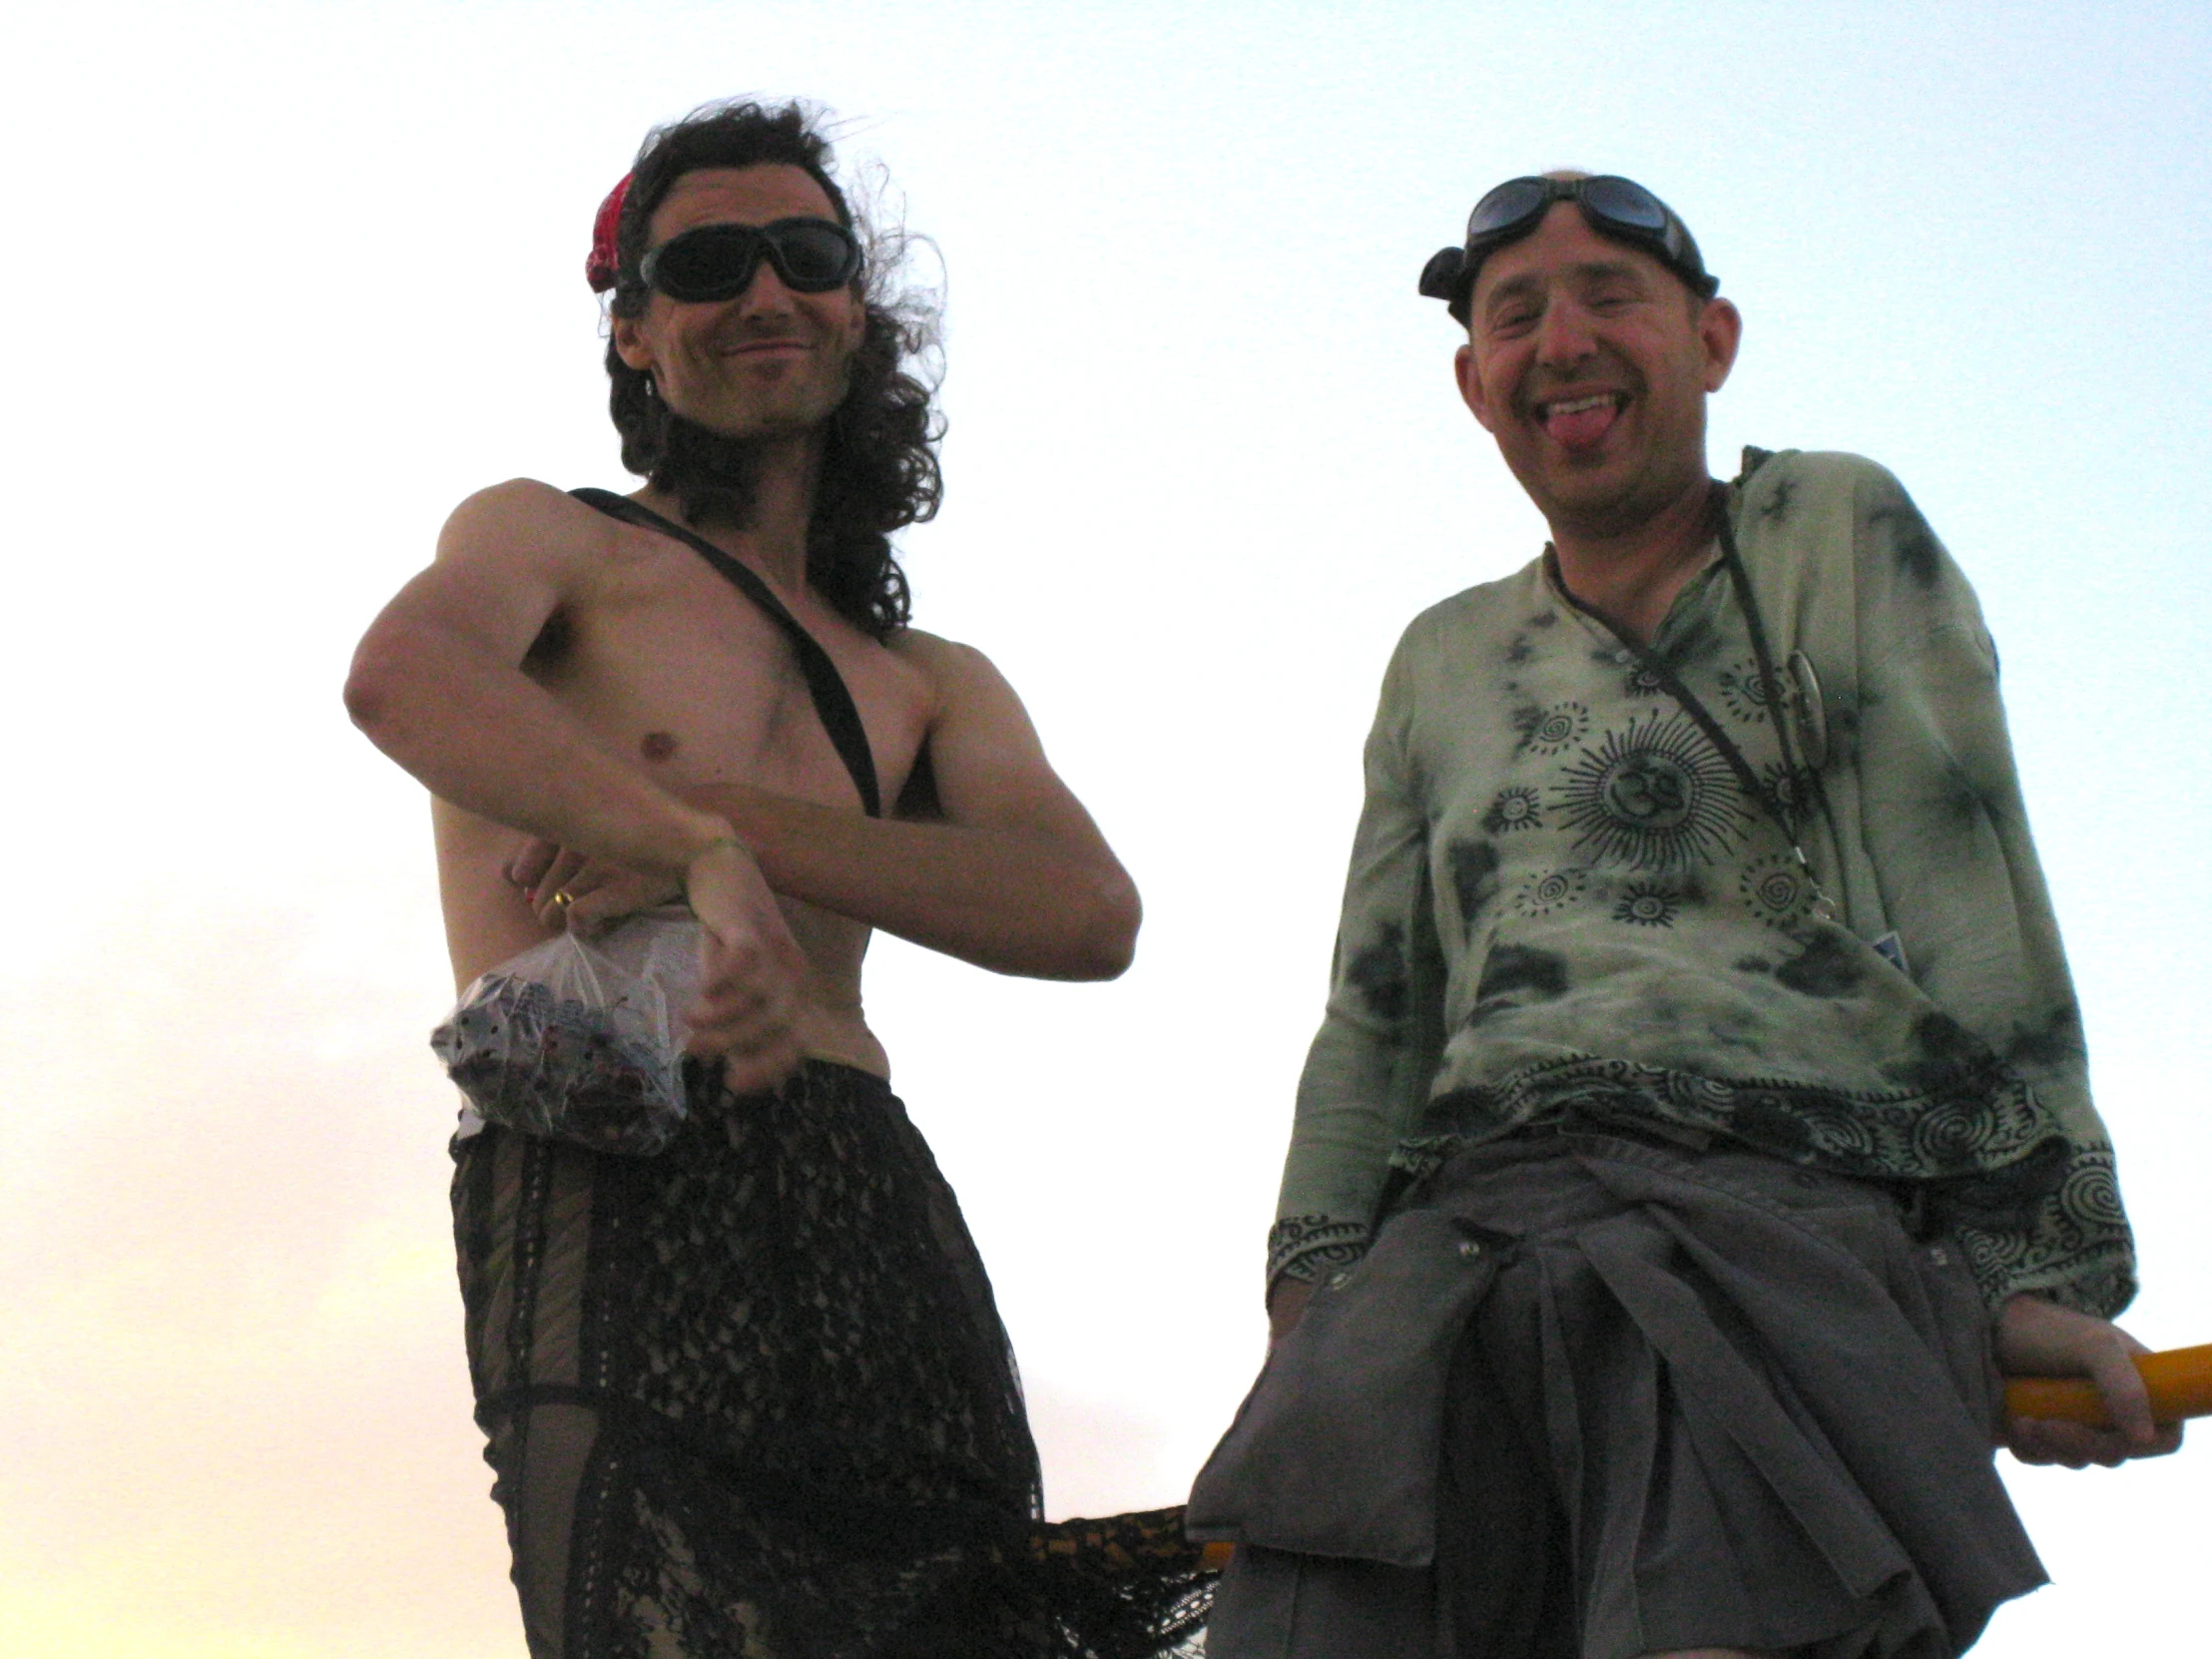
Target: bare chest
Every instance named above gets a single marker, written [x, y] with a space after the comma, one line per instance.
[673, 669]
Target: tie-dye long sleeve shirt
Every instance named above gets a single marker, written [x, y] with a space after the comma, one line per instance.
[1563, 902]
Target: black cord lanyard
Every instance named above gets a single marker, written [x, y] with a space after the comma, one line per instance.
[1779, 701]
[833, 702]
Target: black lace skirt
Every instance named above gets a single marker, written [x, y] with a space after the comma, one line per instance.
[751, 1397]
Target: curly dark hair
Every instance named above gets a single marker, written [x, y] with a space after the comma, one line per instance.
[879, 470]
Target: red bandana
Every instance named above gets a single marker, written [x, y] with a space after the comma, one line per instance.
[605, 264]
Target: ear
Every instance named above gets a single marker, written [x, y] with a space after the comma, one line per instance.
[629, 345]
[1720, 329]
[1469, 376]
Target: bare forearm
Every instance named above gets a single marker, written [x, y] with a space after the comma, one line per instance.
[1015, 901]
[489, 739]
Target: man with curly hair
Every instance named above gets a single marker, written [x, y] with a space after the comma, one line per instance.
[1700, 1118]
[750, 1395]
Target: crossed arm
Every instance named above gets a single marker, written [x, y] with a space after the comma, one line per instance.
[1015, 877]
[437, 684]
[997, 863]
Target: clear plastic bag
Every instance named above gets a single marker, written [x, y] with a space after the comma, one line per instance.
[582, 1038]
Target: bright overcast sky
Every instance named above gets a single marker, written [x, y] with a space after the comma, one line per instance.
[292, 279]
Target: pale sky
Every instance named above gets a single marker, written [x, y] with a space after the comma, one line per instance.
[296, 278]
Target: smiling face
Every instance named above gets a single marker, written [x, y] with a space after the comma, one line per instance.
[768, 363]
[1591, 363]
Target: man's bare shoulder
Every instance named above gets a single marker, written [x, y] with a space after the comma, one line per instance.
[940, 658]
[958, 675]
[527, 522]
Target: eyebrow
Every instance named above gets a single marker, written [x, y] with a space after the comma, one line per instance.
[1589, 270]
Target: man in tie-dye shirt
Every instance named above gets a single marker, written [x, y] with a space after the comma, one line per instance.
[1701, 1104]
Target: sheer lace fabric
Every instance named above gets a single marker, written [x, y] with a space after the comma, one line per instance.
[751, 1397]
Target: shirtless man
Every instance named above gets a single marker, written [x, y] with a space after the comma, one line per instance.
[749, 1395]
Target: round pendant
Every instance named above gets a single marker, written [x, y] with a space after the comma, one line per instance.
[1809, 710]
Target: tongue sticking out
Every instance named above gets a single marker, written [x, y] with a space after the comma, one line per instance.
[1581, 424]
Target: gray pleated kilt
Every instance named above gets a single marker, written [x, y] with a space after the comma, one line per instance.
[1596, 1398]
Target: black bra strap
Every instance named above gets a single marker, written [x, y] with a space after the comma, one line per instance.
[841, 718]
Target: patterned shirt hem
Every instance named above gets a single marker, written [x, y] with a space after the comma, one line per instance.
[1309, 1248]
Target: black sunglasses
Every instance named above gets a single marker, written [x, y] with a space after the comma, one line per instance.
[716, 262]
[1612, 207]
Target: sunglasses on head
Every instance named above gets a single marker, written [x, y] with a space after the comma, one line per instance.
[716, 262]
[1612, 207]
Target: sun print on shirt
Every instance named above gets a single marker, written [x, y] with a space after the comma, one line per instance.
[1554, 890]
[1748, 693]
[1776, 890]
[1783, 784]
[1646, 904]
[1655, 795]
[1517, 808]
[1552, 731]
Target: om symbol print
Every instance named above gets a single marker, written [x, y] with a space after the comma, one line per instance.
[1655, 797]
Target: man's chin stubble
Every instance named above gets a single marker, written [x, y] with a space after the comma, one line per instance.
[1611, 512]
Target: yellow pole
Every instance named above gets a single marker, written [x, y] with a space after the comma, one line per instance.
[2179, 1379]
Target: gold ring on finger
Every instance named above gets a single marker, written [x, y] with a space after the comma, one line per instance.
[562, 899]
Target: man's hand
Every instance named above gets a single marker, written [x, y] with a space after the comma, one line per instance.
[567, 889]
[2037, 1338]
[751, 971]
